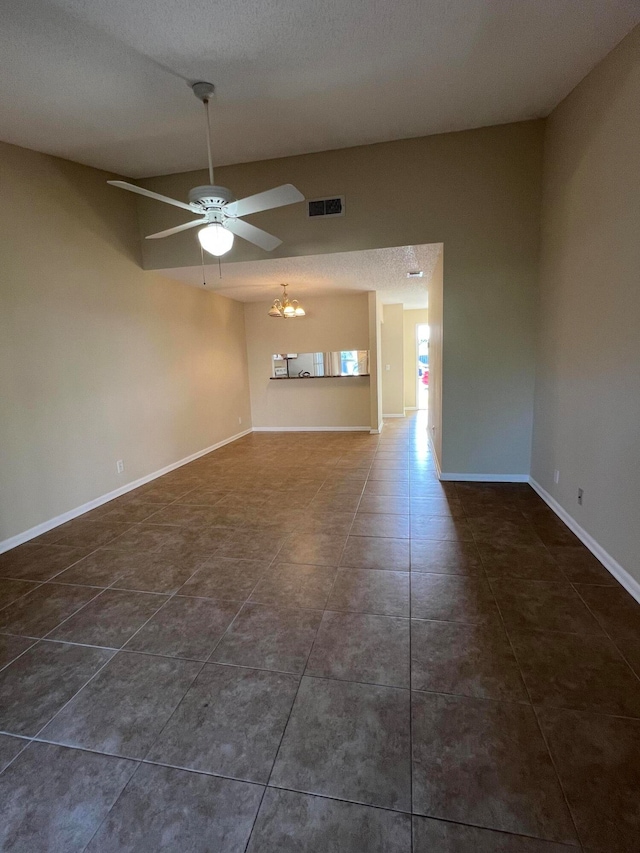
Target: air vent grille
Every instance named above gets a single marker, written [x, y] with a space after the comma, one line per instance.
[326, 206]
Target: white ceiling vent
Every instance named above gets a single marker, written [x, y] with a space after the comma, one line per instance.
[333, 206]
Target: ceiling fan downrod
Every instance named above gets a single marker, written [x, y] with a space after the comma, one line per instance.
[203, 92]
[220, 213]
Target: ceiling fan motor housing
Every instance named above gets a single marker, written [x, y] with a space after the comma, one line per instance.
[209, 197]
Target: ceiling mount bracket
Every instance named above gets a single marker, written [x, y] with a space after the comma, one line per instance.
[203, 91]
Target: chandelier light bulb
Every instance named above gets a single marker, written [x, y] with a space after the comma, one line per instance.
[285, 307]
[215, 239]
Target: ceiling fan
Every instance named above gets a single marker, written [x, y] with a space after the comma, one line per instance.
[218, 209]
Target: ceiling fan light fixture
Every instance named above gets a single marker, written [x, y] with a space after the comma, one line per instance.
[221, 213]
[215, 239]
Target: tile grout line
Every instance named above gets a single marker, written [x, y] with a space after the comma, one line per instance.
[169, 596]
[22, 595]
[556, 771]
[523, 680]
[40, 583]
[413, 511]
[45, 636]
[17, 657]
[99, 670]
[111, 657]
[289, 672]
[116, 798]
[112, 586]
[75, 612]
[411, 802]
[247, 601]
[531, 704]
[324, 610]
[573, 585]
[275, 757]
[203, 665]
[540, 729]
[27, 741]
[230, 625]
[605, 630]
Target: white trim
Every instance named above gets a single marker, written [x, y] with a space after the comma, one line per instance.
[45, 526]
[411, 408]
[619, 573]
[377, 431]
[313, 429]
[394, 415]
[474, 478]
[435, 455]
[485, 478]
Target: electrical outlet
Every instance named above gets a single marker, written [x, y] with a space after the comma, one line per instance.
[556, 476]
[387, 367]
[580, 496]
[239, 420]
[120, 466]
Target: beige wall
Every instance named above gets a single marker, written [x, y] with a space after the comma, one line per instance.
[375, 361]
[99, 361]
[412, 319]
[587, 408]
[392, 357]
[435, 358]
[478, 192]
[332, 323]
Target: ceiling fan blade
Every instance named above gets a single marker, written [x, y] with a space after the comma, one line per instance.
[277, 197]
[141, 191]
[177, 229]
[254, 235]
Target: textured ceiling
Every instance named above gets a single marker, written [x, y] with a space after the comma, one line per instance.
[384, 270]
[104, 82]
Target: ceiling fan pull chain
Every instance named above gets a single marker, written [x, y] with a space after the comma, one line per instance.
[204, 277]
[206, 107]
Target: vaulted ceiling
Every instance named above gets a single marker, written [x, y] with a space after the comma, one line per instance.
[104, 82]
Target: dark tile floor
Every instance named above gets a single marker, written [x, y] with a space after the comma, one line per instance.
[305, 642]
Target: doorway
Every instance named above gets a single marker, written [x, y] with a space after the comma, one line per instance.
[422, 366]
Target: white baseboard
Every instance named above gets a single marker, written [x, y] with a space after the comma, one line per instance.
[446, 476]
[411, 408]
[377, 431]
[313, 429]
[394, 415]
[619, 573]
[45, 526]
[485, 478]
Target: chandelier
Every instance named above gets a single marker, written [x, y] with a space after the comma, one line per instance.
[286, 308]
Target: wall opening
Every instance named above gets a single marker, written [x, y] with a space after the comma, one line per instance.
[422, 366]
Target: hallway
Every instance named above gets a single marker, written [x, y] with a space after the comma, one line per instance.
[301, 640]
